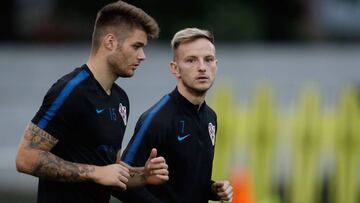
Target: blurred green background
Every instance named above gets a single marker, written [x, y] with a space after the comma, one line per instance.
[306, 154]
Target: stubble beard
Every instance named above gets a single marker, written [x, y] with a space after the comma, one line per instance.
[117, 68]
[199, 92]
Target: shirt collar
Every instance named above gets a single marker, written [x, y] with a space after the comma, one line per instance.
[183, 101]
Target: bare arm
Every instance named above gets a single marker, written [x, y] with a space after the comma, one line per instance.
[34, 158]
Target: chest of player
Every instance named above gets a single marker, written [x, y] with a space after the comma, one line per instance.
[192, 138]
[104, 120]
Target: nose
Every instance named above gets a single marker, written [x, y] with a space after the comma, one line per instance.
[202, 66]
[141, 55]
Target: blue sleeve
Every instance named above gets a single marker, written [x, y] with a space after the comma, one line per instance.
[61, 108]
[147, 135]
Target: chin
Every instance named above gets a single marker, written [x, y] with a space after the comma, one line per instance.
[204, 87]
[125, 75]
[201, 90]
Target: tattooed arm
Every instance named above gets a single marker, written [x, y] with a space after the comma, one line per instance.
[154, 172]
[34, 158]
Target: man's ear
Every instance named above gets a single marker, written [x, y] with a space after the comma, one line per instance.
[110, 42]
[174, 68]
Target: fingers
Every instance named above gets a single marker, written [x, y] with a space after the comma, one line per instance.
[226, 195]
[156, 163]
[123, 176]
[224, 191]
[163, 177]
[157, 166]
[218, 185]
[156, 169]
[112, 175]
[153, 153]
[123, 171]
[122, 183]
[123, 168]
[123, 179]
[153, 159]
[159, 159]
[160, 172]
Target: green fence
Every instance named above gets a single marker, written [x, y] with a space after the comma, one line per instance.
[305, 153]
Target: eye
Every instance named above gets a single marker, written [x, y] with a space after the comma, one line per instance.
[136, 47]
[210, 59]
[190, 60]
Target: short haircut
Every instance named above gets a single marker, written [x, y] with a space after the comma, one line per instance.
[121, 18]
[188, 35]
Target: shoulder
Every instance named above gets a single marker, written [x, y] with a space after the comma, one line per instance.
[66, 85]
[160, 112]
[74, 78]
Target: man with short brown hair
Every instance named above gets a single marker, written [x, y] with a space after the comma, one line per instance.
[73, 142]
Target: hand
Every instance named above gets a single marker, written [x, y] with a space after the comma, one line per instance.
[223, 190]
[112, 175]
[155, 169]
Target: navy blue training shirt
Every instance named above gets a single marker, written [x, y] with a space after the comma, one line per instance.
[89, 125]
[184, 135]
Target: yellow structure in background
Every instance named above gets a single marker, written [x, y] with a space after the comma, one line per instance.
[305, 178]
[248, 138]
[345, 186]
[224, 102]
[263, 137]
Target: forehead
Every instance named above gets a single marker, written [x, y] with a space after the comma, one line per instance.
[137, 35]
[197, 47]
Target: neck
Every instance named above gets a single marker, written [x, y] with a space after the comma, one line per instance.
[193, 97]
[101, 72]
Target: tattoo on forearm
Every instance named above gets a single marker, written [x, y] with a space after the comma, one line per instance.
[55, 168]
[137, 173]
[38, 138]
[134, 173]
[50, 166]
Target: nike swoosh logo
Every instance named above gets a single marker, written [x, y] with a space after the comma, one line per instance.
[99, 110]
[181, 138]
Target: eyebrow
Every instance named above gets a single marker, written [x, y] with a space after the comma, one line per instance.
[206, 56]
[139, 43]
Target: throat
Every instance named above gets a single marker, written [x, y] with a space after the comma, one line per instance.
[194, 97]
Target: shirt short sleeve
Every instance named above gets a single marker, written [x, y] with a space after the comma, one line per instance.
[60, 108]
